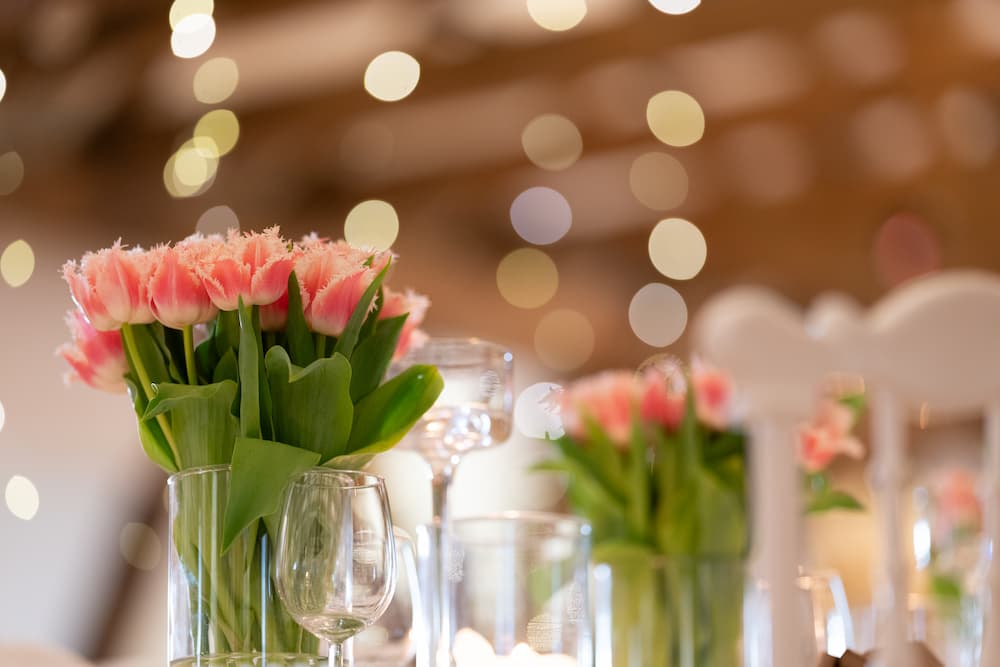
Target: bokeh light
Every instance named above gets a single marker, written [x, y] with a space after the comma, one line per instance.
[675, 6]
[3, 416]
[217, 220]
[221, 127]
[541, 215]
[139, 546]
[11, 172]
[372, 224]
[17, 263]
[906, 247]
[552, 141]
[893, 138]
[677, 249]
[192, 169]
[3, 84]
[675, 118]
[22, 498]
[557, 15]
[969, 125]
[392, 75]
[536, 413]
[658, 314]
[564, 339]
[216, 80]
[193, 35]
[181, 9]
[659, 181]
[527, 278]
[769, 162]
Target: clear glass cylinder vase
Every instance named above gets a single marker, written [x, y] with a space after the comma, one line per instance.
[669, 612]
[223, 608]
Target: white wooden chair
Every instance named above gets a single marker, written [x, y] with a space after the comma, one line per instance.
[935, 340]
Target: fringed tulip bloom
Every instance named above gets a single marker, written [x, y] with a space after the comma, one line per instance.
[334, 276]
[608, 398]
[176, 294]
[416, 306]
[110, 286]
[254, 266]
[95, 357]
[828, 436]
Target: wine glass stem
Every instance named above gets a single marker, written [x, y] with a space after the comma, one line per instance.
[441, 648]
[341, 654]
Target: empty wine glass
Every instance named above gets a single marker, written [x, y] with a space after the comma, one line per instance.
[336, 560]
[472, 412]
[391, 641]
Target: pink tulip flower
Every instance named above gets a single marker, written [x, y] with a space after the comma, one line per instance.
[609, 399]
[416, 305]
[254, 266]
[96, 358]
[957, 503]
[110, 286]
[661, 404]
[828, 436]
[334, 276]
[177, 296]
[713, 393]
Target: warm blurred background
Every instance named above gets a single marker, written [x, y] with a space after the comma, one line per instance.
[571, 178]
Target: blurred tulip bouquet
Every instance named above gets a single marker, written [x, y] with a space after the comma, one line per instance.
[654, 461]
[251, 351]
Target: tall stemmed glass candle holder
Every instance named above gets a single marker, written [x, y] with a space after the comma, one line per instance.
[472, 412]
[336, 560]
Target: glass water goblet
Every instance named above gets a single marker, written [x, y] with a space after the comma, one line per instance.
[473, 412]
[336, 557]
[520, 590]
[392, 640]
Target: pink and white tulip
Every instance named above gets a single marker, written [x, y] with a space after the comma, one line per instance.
[110, 286]
[609, 399]
[96, 358]
[828, 436]
[957, 503]
[177, 296]
[713, 394]
[661, 403]
[334, 276]
[416, 305]
[254, 266]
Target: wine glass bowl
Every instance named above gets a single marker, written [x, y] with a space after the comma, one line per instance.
[336, 555]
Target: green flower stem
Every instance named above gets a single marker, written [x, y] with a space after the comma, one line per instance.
[320, 346]
[128, 336]
[192, 369]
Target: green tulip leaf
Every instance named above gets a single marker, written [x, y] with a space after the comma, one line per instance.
[833, 500]
[300, 342]
[373, 355]
[261, 471]
[312, 405]
[249, 375]
[201, 420]
[348, 340]
[150, 434]
[384, 416]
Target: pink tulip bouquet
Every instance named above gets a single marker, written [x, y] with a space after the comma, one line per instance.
[655, 462]
[251, 351]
